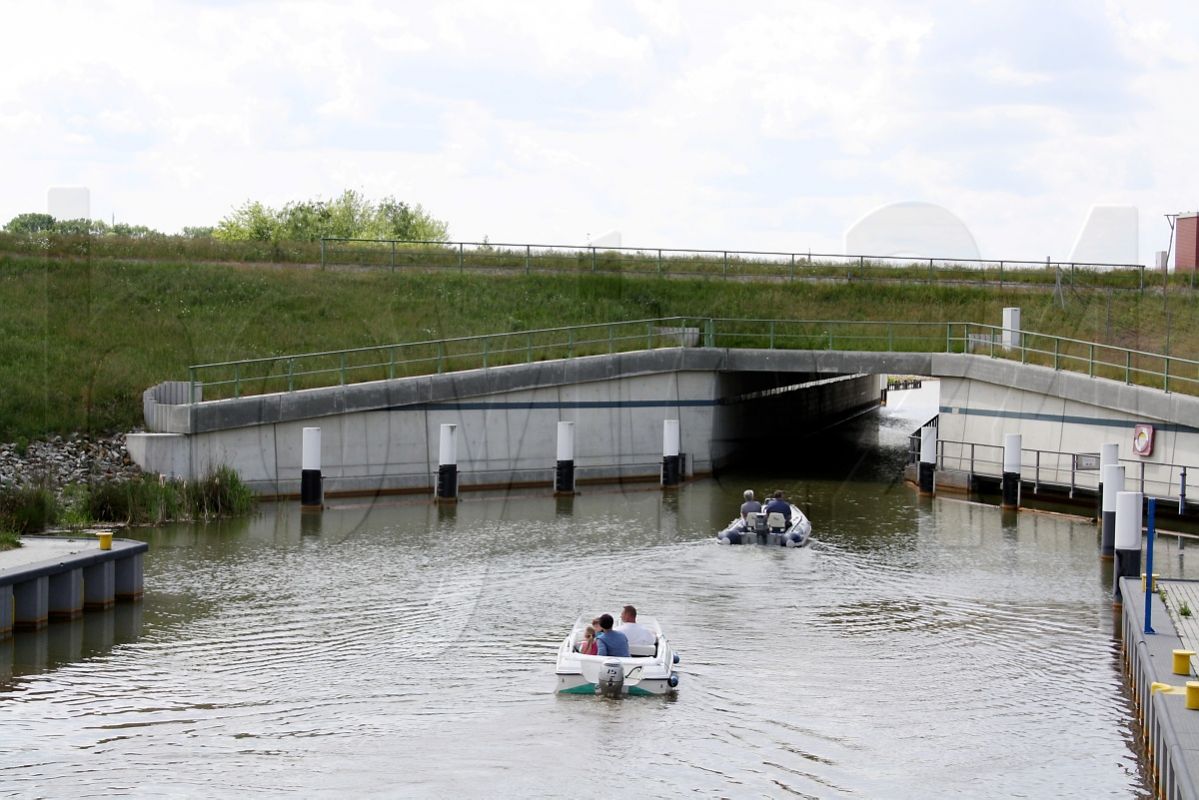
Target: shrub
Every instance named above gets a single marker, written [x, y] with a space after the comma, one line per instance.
[9, 540]
[27, 508]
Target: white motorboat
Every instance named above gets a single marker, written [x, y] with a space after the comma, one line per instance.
[649, 669]
[762, 528]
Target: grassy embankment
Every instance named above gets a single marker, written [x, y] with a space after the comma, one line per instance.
[80, 340]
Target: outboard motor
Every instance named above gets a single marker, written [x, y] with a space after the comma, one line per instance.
[611, 679]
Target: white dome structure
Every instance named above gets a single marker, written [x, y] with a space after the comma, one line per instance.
[920, 230]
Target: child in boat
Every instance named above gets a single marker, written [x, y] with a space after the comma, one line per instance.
[589, 646]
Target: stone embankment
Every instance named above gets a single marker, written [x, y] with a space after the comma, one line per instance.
[61, 460]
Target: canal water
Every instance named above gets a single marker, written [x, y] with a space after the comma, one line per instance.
[390, 648]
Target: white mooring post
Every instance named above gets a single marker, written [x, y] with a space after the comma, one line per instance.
[1128, 538]
[928, 459]
[564, 473]
[670, 453]
[311, 491]
[1113, 485]
[1109, 453]
[447, 465]
[1012, 444]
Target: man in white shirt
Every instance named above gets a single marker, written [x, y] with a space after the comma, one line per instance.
[636, 633]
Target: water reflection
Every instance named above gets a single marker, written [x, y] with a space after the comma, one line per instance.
[68, 641]
[396, 649]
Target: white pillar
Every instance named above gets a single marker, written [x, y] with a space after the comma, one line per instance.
[928, 458]
[311, 489]
[1113, 484]
[1012, 458]
[447, 464]
[564, 474]
[1128, 537]
[670, 453]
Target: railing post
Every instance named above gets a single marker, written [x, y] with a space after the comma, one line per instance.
[393, 255]
[649, 336]
[528, 348]
[1056, 343]
[440, 357]
[726, 263]
[793, 266]
[291, 368]
[659, 260]
[570, 343]
[237, 380]
[593, 259]
[528, 254]
[343, 369]
[1166, 376]
[322, 252]
[486, 347]
[1142, 280]
[191, 387]
[460, 256]
[710, 335]
[1000, 274]
[771, 334]
[610, 342]
[1036, 478]
[1128, 367]
[1091, 361]
[391, 363]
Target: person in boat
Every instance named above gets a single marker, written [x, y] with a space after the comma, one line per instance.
[777, 503]
[635, 632]
[610, 642]
[589, 647]
[750, 505]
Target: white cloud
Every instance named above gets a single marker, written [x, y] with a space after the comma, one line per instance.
[772, 126]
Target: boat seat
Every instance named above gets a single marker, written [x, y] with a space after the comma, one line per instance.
[776, 521]
[755, 521]
[643, 650]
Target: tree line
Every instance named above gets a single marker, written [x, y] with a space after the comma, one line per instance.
[351, 216]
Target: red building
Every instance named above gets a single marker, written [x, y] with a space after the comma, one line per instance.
[1186, 241]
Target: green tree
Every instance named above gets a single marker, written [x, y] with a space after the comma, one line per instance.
[30, 223]
[351, 215]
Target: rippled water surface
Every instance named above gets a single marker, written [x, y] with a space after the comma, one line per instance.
[391, 648]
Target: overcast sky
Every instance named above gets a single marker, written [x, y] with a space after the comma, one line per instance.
[680, 124]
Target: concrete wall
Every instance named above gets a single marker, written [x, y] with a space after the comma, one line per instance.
[384, 436]
[1069, 413]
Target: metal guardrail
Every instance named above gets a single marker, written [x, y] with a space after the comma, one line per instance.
[338, 367]
[1059, 468]
[529, 258]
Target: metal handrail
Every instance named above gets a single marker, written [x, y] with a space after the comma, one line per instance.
[1045, 470]
[524, 251]
[305, 370]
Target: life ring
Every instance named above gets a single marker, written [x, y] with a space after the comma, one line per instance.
[1142, 440]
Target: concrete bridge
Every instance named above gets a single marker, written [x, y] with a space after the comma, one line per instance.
[382, 435]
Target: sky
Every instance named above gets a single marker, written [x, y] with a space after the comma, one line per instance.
[757, 126]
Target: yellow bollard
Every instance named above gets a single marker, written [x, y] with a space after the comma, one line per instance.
[1182, 662]
[1153, 588]
[105, 539]
[1193, 695]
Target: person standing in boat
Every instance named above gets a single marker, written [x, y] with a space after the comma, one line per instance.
[781, 506]
[635, 632]
[610, 642]
[750, 505]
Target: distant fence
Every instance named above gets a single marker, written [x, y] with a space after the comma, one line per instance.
[548, 258]
[338, 367]
[507, 258]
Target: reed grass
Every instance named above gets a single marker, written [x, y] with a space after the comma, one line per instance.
[138, 501]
